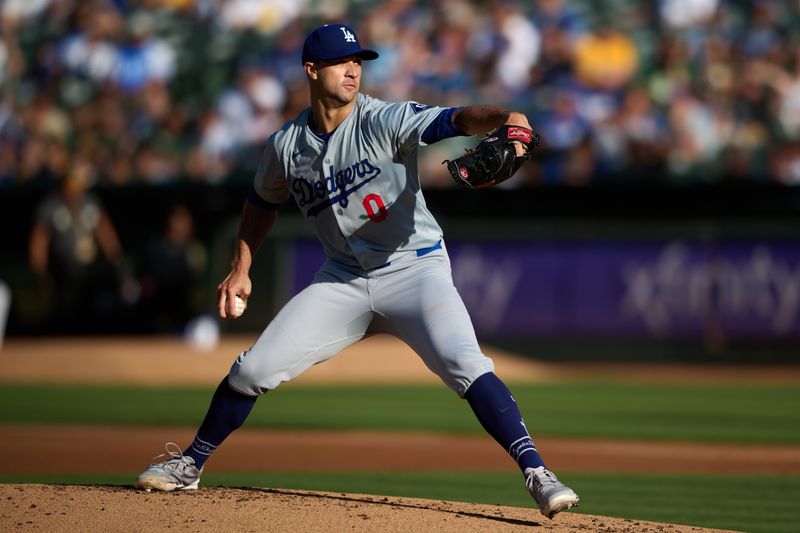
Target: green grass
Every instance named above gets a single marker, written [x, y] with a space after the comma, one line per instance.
[755, 414]
[658, 412]
[745, 503]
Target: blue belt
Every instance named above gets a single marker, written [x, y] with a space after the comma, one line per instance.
[420, 253]
[426, 251]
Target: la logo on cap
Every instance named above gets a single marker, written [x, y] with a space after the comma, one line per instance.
[326, 43]
[348, 37]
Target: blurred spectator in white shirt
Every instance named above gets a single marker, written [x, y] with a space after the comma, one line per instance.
[91, 50]
[510, 43]
[687, 13]
[142, 57]
[251, 107]
[266, 16]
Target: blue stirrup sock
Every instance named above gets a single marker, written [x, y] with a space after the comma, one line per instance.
[227, 412]
[499, 415]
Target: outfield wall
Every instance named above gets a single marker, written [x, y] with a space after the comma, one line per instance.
[623, 289]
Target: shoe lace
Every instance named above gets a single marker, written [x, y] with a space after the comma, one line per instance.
[178, 461]
[540, 478]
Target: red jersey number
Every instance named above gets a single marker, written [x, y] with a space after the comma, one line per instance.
[375, 208]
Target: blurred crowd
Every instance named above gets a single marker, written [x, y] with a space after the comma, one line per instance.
[89, 283]
[631, 91]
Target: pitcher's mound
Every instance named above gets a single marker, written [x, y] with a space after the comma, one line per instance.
[71, 508]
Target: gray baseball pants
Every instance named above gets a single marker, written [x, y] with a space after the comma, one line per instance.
[413, 298]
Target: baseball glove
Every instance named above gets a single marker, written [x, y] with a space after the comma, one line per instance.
[494, 159]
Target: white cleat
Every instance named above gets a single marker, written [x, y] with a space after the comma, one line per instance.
[551, 495]
[178, 473]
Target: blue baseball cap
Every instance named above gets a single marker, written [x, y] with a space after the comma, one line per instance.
[333, 41]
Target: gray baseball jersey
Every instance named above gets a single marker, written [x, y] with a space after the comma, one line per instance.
[387, 268]
[360, 191]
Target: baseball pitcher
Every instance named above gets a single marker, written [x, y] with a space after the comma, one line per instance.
[349, 161]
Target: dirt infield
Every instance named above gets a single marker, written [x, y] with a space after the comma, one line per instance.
[80, 508]
[163, 362]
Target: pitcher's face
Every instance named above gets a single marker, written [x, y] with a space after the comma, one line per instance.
[336, 79]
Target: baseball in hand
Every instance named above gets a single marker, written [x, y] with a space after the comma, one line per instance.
[239, 306]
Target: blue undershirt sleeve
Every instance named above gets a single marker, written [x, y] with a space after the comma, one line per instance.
[442, 127]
